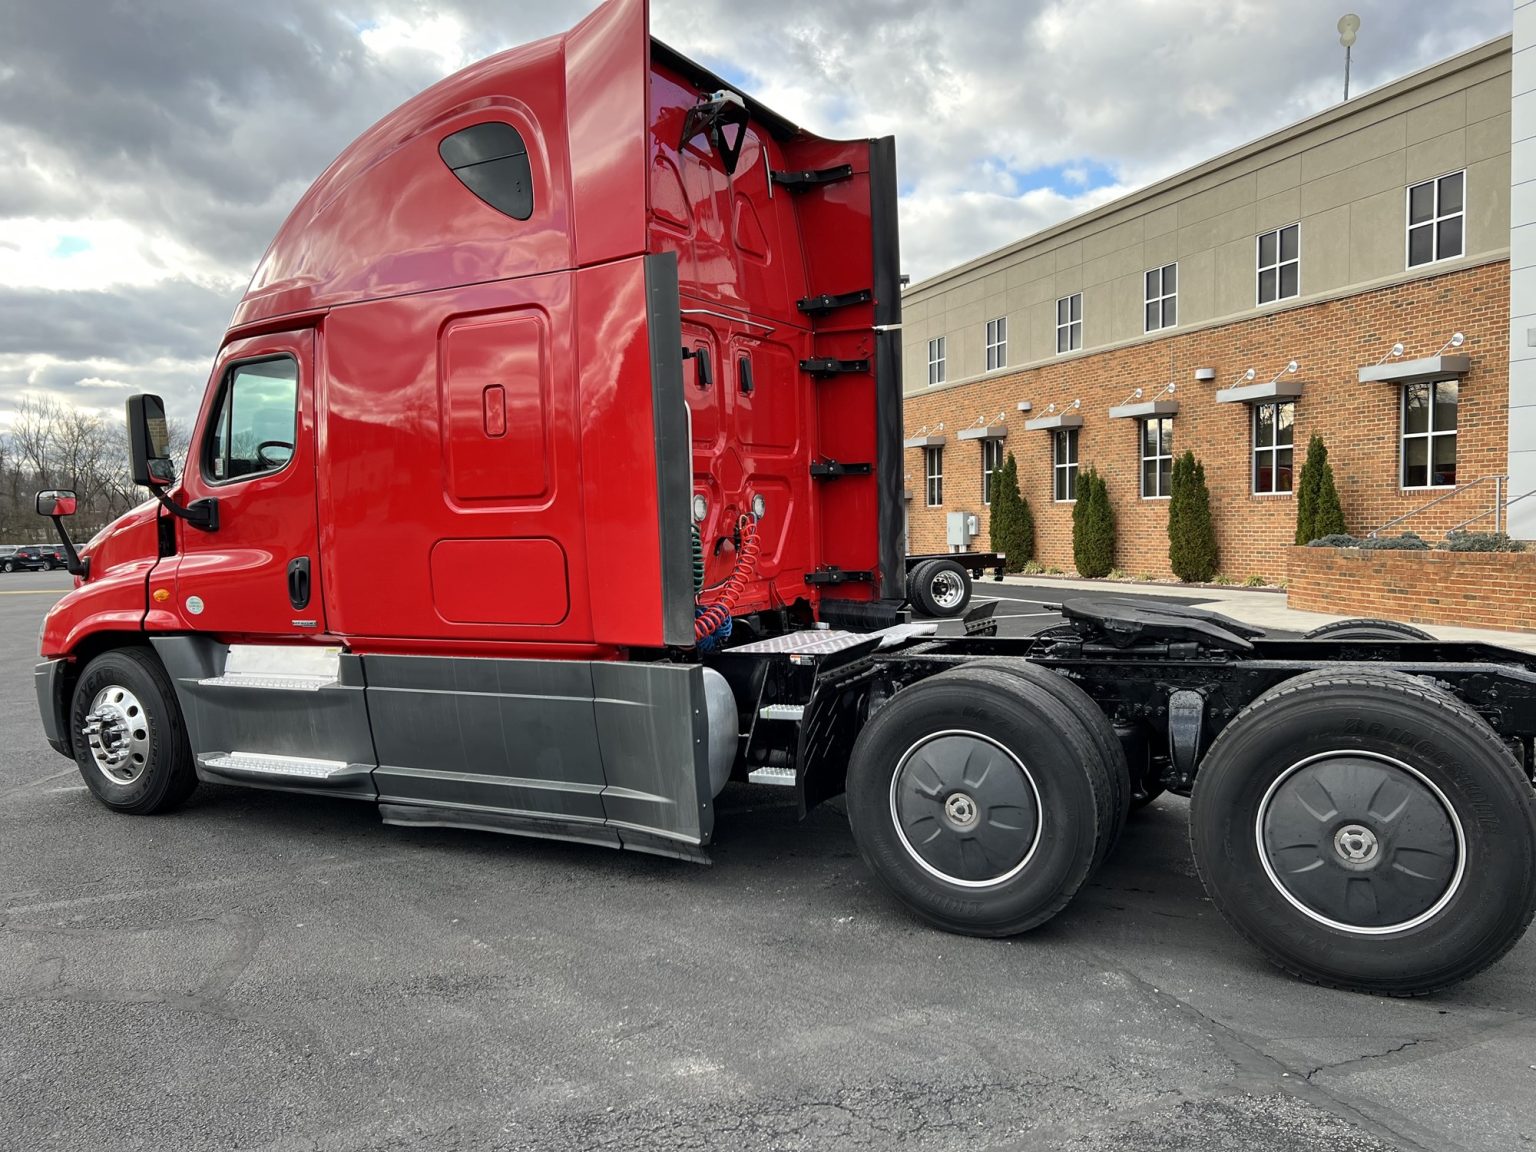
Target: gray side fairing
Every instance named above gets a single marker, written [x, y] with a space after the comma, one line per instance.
[329, 723]
[613, 753]
[607, 752]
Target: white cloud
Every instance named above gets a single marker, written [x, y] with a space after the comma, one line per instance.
[63, 254]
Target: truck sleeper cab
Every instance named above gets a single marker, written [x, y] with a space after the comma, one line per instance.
[549, 476]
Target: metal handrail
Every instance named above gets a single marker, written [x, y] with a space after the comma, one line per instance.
[1457, 491]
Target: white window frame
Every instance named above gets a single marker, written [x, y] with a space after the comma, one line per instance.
[1433, 223]
[1258, 277]
[997, 343]
[1067, 468]
[1069, 331]
[1273, 450]
[936, 361]
[1162, 298]
[933, 476]
[1430, 436]
[1162, 450]
[991, 464]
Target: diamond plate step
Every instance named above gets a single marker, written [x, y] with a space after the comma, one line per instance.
[782, 777]
[259, 764]
[282, 683]
[781, 712]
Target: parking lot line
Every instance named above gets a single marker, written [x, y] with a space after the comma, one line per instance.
[33, 591]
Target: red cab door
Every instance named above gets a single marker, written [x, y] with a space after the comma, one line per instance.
[258, 573]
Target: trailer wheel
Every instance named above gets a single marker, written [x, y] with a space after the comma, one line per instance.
[973, 798]
[130, 743]
[1111, 753]
[1367, 831]
[940, 587]
[1364, 629]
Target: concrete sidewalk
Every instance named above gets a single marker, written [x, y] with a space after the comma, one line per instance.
[1259, 607]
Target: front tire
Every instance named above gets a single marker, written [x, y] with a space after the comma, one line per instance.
[1367, 831]
[130, 742]
[972, 797]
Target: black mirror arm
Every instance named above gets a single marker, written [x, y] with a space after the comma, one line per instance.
[74, 564]
[201, 514]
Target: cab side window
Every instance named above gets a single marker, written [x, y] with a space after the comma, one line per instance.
[253, 429]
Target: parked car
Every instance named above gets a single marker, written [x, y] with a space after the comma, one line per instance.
[33, 558]
[6, 552]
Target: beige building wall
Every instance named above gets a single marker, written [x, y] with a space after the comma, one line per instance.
[1342, 175]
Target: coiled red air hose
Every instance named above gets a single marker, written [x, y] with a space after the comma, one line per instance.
[719, 611]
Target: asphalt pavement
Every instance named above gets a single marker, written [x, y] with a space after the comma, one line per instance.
[266, 971]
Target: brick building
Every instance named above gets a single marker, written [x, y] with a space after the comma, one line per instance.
[1169, 320]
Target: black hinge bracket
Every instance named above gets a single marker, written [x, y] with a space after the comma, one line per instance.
[811, 177]
[826, 366]
[835, 575]
[833, 468]
[829, 301]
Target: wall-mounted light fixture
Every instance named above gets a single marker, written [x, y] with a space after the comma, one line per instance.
[1289, 368]
[1204, 375]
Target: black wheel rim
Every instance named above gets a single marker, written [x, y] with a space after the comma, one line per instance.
[1361, 842]
[966, 809]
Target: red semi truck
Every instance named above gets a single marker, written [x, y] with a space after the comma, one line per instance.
[549, 477]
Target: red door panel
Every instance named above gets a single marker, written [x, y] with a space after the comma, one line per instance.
[254, 453]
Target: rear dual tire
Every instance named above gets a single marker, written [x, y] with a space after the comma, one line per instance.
[980, 801]
[1367, 831]
[940, 588]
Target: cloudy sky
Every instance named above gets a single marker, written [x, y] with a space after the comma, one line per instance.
[150, 148]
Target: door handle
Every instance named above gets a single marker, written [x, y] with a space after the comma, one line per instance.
[298, 583]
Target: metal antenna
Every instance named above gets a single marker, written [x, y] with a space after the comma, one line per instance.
[1349, 25]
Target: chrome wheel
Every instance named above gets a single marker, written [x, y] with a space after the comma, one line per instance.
[947, 588]
[965, 809]
[116, 732]
[1361, 842]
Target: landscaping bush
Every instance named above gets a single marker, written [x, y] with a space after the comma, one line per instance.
[1013, 524]
[1191, 534]
[1407, 542]
[1481, 542]
[1318, 512]
[1093, 527]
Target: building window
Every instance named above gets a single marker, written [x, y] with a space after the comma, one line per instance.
[1273, 440]
[933, 471]
[1280, 264]
[1156, 457]
[1162, 297]
[991, 462]
[1069, 323]
[997, 343]
[1064, 463]
[936, 360]
[1436, 213]
[1429, 435]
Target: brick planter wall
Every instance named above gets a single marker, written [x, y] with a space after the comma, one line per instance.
[1472, 589]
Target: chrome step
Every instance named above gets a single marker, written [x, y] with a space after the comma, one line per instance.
[281, 683]
[261, 764]
[781, 712]
[284, 667]
[781, 777]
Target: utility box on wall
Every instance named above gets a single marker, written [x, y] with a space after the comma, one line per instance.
[961, 529]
